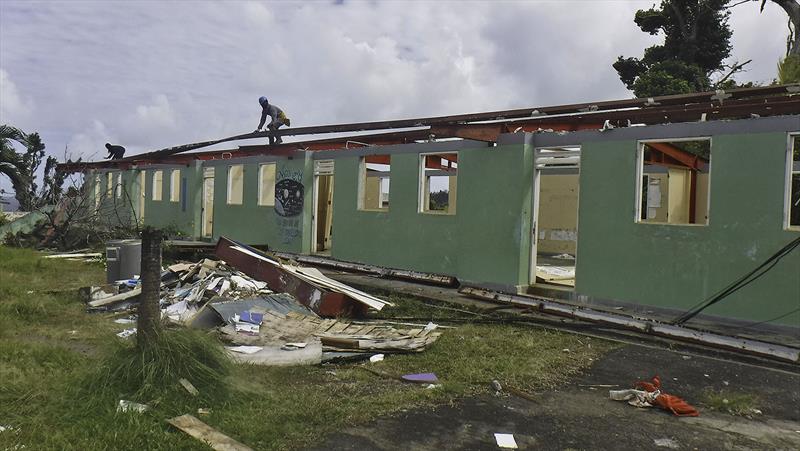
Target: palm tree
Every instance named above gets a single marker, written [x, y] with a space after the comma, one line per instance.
[12, 164]
[21, 168]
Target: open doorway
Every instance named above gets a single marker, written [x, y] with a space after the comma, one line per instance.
[554, 244]
[208, 203]
[323, 207]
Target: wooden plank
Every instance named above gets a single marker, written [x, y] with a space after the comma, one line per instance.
[116, 298]
[206, 434]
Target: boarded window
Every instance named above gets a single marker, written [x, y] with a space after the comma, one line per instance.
[118, 187]
[373, 182]
[235, 184]
[793, 188]
[158, 184]
[175, 185]
[266, 184]
[438, 177]
[673, 182]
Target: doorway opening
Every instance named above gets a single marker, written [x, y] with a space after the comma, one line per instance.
[554, 241]
[323, 207]
[208, 203]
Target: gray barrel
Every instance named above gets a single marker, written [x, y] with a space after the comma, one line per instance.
[123, 259]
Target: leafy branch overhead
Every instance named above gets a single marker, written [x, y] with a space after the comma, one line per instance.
[696, 42]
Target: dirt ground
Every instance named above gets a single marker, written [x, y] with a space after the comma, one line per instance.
[578, 417]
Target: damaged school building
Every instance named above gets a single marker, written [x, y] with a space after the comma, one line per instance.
[652, 205]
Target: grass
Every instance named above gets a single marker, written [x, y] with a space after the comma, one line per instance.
[734, 403]
[63, 371]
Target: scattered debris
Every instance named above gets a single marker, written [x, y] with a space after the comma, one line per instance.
[206, 434]
[127, 333]
[5, 428]
[376, 358]
[497, 387]
[648, 394]
[666, 443]
[204, 411]
[189, 387]
[420, 378]
[77, 256]
[130, 406]
[505, 440]
[261, 324]
[245, 349]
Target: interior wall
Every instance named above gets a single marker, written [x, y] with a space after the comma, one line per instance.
[677, 266]
[558, 213]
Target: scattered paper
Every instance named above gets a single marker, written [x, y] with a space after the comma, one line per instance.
[376, 358]
[247, 328]
[5, 428]
[127, 333]
[204, 411]
[130, 406]
[245, 349]
[505, 440]
[124, 321]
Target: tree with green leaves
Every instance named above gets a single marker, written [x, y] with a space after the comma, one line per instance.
[789, 66]
[21, 168]
[696, 43]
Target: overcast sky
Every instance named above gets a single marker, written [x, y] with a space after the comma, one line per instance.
[150, 74]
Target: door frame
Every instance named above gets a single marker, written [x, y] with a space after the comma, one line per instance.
[321, 168]
[541, 163]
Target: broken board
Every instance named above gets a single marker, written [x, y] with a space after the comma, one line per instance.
[205, 433]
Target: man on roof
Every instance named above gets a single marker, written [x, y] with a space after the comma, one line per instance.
[115, 152]
[278, 119]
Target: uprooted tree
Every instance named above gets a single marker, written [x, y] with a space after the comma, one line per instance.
[696, 44]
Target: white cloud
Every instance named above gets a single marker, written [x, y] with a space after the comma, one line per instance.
[150, 75]
[14, 108]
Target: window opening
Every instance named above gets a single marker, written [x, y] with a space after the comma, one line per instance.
[266, 184]
[673, 182]
[158, 183]
[438, 190]
[175, 185]
[373, 190]
[235, 184]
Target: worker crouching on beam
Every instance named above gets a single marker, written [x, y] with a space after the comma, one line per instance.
[278, 119]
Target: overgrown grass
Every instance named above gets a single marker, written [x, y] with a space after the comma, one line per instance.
[734, 403]
[63, 371]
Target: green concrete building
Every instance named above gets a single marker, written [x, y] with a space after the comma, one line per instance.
[655, 217]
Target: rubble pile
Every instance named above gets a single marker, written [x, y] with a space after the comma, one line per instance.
[258, 324]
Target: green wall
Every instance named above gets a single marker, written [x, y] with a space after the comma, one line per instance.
[675, 266]
[168, 214]
[487, 240]
[254, 224]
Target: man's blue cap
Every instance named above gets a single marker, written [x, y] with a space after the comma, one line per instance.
[263, 100]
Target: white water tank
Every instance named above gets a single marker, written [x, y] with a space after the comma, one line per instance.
[123, 259]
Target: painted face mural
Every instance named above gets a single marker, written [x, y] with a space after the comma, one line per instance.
[289, 196]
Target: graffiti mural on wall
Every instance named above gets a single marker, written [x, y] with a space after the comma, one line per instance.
[289, 197]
